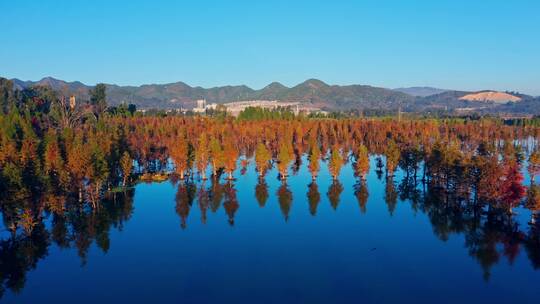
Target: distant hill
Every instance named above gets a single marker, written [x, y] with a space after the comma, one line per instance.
[420, 91]
[497, 97]
[312, 91]
[179, 94]
[76, 87]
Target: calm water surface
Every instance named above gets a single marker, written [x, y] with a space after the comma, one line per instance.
[156, 248]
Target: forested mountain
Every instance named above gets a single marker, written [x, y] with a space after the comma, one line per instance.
[313, 91]
[179, 94]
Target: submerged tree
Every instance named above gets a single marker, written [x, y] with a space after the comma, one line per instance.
[262, 159]
[534, 164]
[314, 160]
[202, 155]
[230, 153]
[512, 187]
[361, 165]
[533, 201]
[179, 152]
[126, 164]
[392, 154]
[217, 156]
[285, 156]
[335, 163]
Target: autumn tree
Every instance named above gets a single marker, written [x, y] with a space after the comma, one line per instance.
[262, 159]
[534, 164]
[335, 163]
[314, 160]
[178, 150]
[533, 201]
[126, 165]
[202, 155]
[53, 162]
[230, 153]
[285, 156]
[78, 163]
[512, 186]
[217, 156]
[361, 165]
[392, 154]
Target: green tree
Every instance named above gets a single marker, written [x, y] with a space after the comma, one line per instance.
[126, 164]
[392, 154]
[98, 99]
[262, 159]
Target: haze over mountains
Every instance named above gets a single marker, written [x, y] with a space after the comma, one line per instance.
[312, 91]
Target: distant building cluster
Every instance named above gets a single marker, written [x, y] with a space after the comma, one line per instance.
[202, 106]
[234, 108]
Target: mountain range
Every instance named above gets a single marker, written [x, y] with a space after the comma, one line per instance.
[312, 91]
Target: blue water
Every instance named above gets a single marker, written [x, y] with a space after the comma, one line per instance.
[339, 255]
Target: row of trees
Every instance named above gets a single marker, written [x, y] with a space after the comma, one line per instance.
[82, 150]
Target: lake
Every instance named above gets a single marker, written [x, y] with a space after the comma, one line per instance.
[274, 242]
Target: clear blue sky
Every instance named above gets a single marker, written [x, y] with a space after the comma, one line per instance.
[456, 44]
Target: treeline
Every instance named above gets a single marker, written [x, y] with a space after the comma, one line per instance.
[82, 150]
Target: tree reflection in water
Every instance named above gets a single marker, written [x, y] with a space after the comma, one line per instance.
[72, 226]
[285, 200]
[314, 197]
[490, 235]
[261, 192]
[362, 194]
[334, 192]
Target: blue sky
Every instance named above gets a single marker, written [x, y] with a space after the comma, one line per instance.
[468, 45]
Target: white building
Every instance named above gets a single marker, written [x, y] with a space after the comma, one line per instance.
[201, 106]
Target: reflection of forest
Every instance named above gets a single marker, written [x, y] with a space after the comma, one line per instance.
[491, 234]
[484, 228]
[71, 226]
